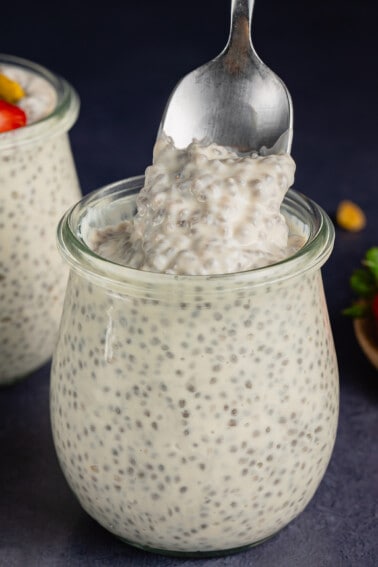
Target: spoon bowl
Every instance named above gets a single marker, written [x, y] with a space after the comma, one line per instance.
[235, 100]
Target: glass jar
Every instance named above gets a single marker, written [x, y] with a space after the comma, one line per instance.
[38, 182]
[193, 415]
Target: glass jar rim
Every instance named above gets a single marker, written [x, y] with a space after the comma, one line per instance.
[59, 120]
[74, 249]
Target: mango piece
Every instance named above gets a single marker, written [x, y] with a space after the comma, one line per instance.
[350, 216]
[10, 91]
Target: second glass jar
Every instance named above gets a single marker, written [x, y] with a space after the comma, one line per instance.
[38, 182]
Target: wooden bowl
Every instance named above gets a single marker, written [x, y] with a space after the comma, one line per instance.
[367, 339]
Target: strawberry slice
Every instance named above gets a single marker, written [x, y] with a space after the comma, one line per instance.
[11, 116]
[374, 306]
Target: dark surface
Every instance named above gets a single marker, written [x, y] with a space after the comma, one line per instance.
[124, 60]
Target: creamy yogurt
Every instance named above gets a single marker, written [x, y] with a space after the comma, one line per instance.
[205, 210]
[38, 182]
[40, 96]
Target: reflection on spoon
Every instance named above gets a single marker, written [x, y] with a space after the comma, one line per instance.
[235, 100]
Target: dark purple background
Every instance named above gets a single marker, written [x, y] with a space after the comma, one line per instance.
[124, 59]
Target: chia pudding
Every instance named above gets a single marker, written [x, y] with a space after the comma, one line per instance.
[38, 182]
[193, 414]
[206, 210]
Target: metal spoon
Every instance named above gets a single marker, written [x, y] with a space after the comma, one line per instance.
[234, 100]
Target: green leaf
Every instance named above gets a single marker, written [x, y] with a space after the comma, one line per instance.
[363, 282]
[371, 261]
[357, 310]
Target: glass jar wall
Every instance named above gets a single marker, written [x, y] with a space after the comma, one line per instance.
[193, 414]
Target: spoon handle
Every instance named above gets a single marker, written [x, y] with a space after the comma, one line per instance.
[240, 28]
